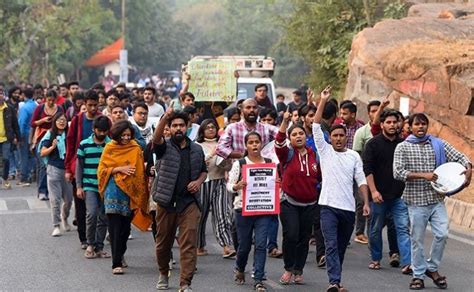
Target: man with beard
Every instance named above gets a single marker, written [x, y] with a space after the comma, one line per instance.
[414, 162]
[88, 156]
[386, 192]
[182, 169]
[231, 145]
[80, 129]
[154, 108]
[140, 119]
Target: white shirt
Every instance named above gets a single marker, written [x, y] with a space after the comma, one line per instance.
[339, 170]
[234, 175]
[146, 131]
[155, 110]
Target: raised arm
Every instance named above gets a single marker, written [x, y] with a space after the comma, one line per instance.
[325, 94]
[160, 129]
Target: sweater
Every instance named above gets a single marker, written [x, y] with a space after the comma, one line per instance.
[300, 174]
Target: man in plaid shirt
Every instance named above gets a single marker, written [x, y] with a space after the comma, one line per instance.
[231, 145]
[415, 159]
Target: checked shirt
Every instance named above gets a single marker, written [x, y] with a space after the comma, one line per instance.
[420, 157]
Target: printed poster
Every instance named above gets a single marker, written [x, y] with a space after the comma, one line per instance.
[261, 196]
[213, 80]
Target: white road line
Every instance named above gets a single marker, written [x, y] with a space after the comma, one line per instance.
[34, 203]
[3, 205]
[16, 212]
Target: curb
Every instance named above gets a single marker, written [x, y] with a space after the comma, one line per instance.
[460, 213]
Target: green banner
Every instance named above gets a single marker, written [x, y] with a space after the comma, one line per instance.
[213, 80]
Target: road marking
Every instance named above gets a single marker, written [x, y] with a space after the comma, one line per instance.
[34, 203]
[3, 205]
[15, 212]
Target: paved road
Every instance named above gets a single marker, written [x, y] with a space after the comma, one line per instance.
[32, 260]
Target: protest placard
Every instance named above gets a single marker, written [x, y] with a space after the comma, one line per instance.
[261, 196]
[213, 80]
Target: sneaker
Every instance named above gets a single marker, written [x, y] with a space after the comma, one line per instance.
[56, 232]
[362, 239]
[395, 260]
[42, 197]
[162, 282]
[185, 289]
[84, 245]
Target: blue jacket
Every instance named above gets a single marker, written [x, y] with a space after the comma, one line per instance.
[25, 115]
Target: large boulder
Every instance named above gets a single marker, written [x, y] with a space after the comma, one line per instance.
[429, 59]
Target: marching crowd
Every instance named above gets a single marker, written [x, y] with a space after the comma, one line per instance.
[133, 157]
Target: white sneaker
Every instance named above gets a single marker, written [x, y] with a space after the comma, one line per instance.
[42, 197]
[56, 232]
[130, 237]
[66, 225]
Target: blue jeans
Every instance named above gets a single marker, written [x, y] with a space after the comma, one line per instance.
[272, 233]
[14, 161]
[26, 159]
[96, 220]
[41, 178]
[5, 148]
[246, 226]
[399, 213]
[419, 217]
[337, 226]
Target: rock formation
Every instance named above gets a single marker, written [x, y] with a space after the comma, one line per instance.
[427, 57]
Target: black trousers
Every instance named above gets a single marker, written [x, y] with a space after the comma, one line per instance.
[297, 222]
[80, 207]
[119, 230]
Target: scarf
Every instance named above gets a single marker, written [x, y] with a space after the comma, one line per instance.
[437, 144]
[61, 146]
[134, 186]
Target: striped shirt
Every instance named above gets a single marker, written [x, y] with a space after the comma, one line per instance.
[88, 155]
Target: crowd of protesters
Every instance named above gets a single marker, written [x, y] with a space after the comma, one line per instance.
[164, 164]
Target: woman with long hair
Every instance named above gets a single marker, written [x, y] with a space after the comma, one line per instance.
[214, 194]
[300, 175]
[123, 187]
[41, 122]
[249, 226]
[53, 151]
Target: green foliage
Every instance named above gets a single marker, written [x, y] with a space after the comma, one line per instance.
[395, 10]
[321, 31]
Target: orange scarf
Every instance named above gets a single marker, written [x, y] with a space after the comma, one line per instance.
[135, 186]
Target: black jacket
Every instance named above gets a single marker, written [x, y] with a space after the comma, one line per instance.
[10, 121]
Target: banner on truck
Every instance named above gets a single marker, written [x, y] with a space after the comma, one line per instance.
[213, 80]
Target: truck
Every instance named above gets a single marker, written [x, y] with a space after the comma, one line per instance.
[250, 71]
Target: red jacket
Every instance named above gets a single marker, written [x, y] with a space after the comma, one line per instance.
[300, 174]
[73, 140]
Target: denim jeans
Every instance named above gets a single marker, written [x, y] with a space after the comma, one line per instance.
[419, 217]
[246, 226]
[27, 161]
[14, 160]
[42, 183]
[399, 213]
[297, 222]
[272, 233]
[5, 148]
[96, 220]
[337, 226]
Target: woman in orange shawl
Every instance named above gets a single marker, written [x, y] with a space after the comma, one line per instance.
[122, 185]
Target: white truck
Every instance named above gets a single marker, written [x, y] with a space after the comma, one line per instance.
[252, 70]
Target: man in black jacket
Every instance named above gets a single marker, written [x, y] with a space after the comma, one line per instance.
[9, 134]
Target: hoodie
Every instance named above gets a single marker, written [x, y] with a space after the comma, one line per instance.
[301, 174]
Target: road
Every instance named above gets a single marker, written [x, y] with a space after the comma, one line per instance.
[33, 260]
